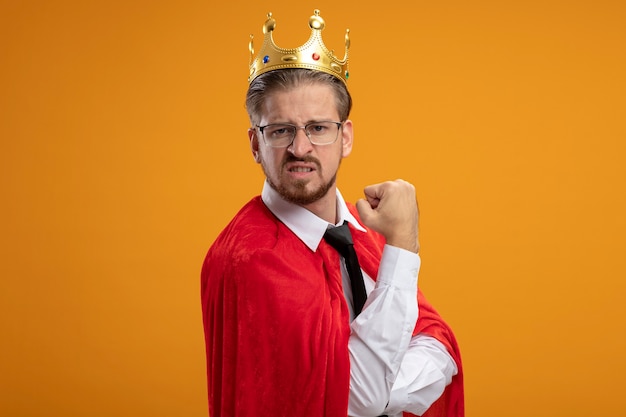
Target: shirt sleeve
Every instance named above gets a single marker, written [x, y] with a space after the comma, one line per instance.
[426, 370]
[391, 371]
[381, 334]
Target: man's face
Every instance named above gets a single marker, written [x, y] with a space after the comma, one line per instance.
[302, 173]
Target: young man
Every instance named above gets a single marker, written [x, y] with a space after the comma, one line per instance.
[286, 331]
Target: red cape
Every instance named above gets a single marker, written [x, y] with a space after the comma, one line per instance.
[277, 324]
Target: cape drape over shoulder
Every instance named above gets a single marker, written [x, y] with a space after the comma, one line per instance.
[277, 324]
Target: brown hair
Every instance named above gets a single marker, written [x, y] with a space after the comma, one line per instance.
[287, 79]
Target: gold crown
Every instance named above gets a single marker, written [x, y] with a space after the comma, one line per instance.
[312, 55]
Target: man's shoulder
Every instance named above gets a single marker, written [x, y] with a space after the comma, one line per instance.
[253, 223]
[253, 238]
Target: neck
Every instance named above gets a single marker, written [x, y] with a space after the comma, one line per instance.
[326, 207]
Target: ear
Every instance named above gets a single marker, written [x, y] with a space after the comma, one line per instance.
[347, 135]
[254, 144]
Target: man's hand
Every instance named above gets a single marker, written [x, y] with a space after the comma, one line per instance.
[390, 208]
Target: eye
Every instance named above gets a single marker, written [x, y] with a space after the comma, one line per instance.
[278, 131]
[318, 128]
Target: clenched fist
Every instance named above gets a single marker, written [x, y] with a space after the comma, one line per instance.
[390, 208]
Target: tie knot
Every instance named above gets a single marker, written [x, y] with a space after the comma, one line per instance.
[339, 237]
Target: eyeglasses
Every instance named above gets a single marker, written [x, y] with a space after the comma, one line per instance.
[282, 135]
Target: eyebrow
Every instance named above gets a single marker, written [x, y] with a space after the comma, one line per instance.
[309, 122]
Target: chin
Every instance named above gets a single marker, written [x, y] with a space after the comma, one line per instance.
[299, 193]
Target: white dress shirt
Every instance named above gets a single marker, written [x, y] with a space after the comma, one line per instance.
[390, 370]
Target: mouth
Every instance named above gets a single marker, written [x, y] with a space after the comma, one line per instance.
[300, 169]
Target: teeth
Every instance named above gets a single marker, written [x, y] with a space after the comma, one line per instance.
[301, 169]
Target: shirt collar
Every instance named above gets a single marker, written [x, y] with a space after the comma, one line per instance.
[307, 226]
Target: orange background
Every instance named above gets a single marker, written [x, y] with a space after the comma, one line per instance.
[124, 152]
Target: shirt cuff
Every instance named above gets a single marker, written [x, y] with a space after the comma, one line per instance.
[399, 267]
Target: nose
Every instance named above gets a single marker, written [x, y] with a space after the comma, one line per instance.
[301, 145]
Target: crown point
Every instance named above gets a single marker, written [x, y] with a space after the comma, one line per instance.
[270, 24]
[251, 48]
[316, 21]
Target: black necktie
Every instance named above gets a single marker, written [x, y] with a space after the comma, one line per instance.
[341, 239]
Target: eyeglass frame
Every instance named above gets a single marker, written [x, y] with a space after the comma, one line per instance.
[295, 133]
